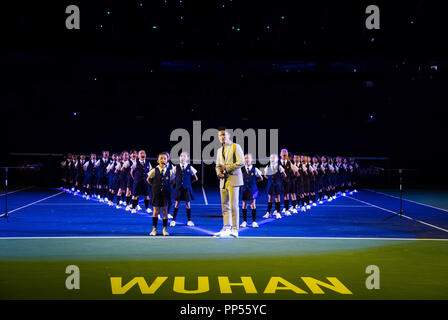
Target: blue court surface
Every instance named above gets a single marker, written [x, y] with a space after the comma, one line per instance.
[38, 212]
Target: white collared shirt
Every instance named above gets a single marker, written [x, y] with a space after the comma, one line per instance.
[152, 172]
[193, 171]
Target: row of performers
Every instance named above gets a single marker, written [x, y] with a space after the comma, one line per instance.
[303, 181]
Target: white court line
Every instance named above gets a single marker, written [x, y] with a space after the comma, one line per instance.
[32, 203]
[404, 216]
[205, 237]
[23, 189]
[422, 204]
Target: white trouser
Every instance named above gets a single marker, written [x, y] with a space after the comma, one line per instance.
[229, 204]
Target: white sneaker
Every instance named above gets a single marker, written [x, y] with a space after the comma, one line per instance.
[110, 203]
[138, 208]
[148, 210]
[106, 199]
[314, 204]
[234, 233]
[153, 232]
[277, 215]
[287, 213]
[224, 233]
[87, 197]
[133, 211]
[170, 216]
[325, 197]
[321, 202]
[117, 206]
[351, 193]
[164, 232]
[101, 200]
[330, 199]
[190, 223]
[334, 197]
[84, 196]
[343, 194]
[308, 207]
[173, 223]
[254, 225]
[294, 211]
[244, 224]
[76, 193]
[217, 234]
[267, 215]
[284, 209]
[303, 209]
[128, 208]
[355, 190]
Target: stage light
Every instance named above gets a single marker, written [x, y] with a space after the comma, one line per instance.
[155, 27]
[140, 4]
[434, 68]
[75, 114]
[268, 27]
[108, 12]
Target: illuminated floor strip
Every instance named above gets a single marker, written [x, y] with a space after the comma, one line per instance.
[422, 204]
[33, 203]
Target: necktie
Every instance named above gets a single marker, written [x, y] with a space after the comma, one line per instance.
[224, 153]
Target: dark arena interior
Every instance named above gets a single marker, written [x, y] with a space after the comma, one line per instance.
[135, 71]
